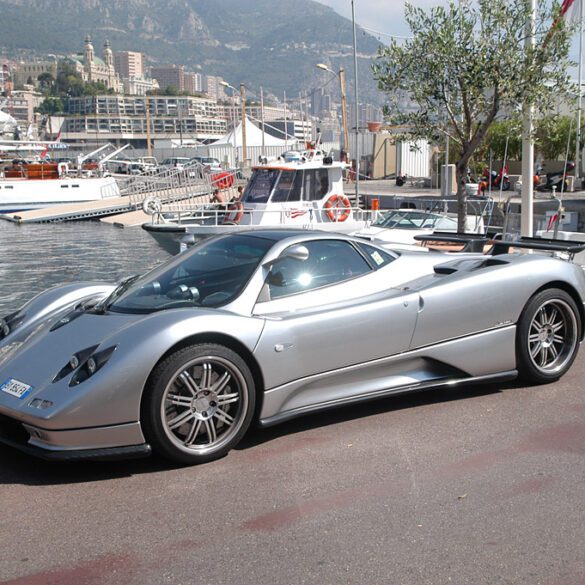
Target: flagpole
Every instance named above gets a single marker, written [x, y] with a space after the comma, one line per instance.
[579, 96]
[526, 217]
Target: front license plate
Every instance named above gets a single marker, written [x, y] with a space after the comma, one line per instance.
[15, 388]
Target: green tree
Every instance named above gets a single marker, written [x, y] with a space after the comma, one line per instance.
[555, 136]
[465, 64]
[51, 105]
[96, 88]
[504, 139]
[46, 82]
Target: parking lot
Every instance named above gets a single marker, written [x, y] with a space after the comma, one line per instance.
[478, 485]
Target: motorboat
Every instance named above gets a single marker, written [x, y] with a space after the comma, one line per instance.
[32, 185]
[298, 192]
[400, 226]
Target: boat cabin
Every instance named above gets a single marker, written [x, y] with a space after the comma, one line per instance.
[295, 192]
[38, 171]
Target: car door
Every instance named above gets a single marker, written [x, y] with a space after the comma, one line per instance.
[330, 312]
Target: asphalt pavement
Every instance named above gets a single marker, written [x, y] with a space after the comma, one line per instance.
[469, 485]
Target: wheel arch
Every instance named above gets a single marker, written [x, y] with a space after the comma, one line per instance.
[572, 292]
[229, 342]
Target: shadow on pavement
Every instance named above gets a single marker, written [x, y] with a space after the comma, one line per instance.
[258, 436]
[19, 468]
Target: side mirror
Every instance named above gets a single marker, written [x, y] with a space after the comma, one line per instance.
[296, 252]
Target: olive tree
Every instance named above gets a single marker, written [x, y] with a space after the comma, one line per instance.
[466, 65]
[555, 136]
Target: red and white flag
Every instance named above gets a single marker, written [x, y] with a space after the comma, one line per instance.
[46, 151]
[570, 11]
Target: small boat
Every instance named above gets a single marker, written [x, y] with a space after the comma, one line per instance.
[400, 226]
[32, 185]
[304, 191]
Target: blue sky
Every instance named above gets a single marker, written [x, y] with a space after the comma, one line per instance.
[385, 16]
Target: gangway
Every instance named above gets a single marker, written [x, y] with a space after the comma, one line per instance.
[191, 186]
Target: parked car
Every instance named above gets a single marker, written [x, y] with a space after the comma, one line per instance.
[211, 163]
[266, 325]
[177, 162]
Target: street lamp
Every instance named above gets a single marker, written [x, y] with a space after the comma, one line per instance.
[357, 117]
[232, 105]
[341, 76]
[243, 103]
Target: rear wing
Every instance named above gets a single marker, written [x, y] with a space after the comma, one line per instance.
[477, 242]
[470, 242]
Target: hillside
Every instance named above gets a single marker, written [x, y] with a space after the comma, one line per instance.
[259, 42]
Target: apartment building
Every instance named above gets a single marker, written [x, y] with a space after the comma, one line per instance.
[171, 75]
[117, 118]
[29, 71]
[129, 64]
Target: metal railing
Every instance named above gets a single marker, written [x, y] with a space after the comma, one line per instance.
[215, 214]
[189, 185]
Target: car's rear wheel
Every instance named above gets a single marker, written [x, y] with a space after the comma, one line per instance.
[198, 404]
[549, 331]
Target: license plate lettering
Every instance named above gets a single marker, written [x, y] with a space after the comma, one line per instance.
[15, 388]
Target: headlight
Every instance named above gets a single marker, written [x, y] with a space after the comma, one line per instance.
[10, 323]
[91, 365]
[77, 358]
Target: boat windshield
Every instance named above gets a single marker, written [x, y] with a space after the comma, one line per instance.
[288, 187]
[414, 220]
[260, 186]
[211, 274]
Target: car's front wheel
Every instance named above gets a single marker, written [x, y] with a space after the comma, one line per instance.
[548, 336]
[198, 404]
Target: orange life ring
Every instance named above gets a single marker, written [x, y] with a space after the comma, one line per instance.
[223, 180]
[237, 210]
[338, 208]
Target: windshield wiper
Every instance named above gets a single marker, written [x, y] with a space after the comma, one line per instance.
[103, 306]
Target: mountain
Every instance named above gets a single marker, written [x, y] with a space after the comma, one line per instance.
[265, 43]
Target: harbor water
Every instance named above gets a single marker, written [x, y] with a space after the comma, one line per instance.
[34, 257]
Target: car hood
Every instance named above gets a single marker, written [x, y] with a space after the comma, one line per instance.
[46, 350]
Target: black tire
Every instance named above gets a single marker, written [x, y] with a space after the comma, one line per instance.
[548, 336]
[198, 404]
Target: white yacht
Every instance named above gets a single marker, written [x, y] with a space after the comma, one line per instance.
[304, 191]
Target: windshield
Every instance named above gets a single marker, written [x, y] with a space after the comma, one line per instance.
[414, 220]
[260, 186]
[212, 274]
[288, 187]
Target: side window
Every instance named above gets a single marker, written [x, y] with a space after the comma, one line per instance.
[316, 184]
[329, 262]
[309, 185]
[377, 257]
[288, 187]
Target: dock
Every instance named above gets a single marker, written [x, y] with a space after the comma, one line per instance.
[72, 211]
[169, 187]
[128, 219]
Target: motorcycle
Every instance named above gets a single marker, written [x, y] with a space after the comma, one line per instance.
[556, 180]
[494, 181]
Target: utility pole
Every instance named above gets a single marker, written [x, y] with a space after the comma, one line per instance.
[148, 143]
[527, 198]
[344, 111]
[357, 115]
[243, 100]
[262, 117]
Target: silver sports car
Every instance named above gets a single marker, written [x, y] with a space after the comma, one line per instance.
[267, 325]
